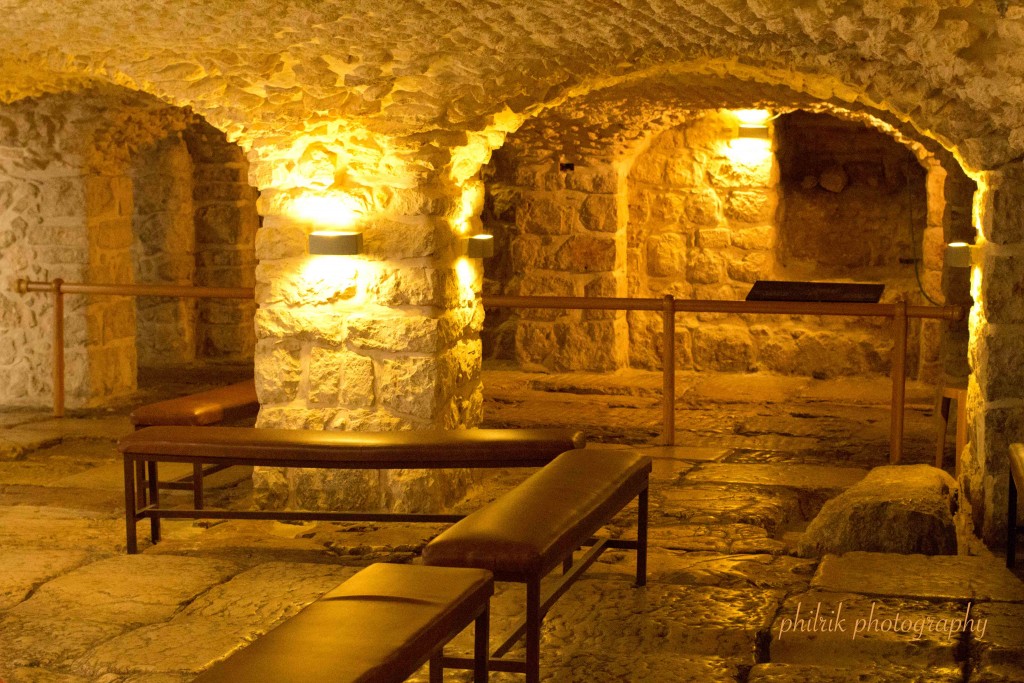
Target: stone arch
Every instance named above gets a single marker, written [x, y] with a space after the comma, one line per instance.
[101, 191]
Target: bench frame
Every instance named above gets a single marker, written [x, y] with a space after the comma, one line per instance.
[142, 498]
[142, 483]
[539, 603]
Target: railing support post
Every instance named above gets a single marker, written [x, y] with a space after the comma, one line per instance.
[668, 371]
[899, 382]
[58, 348]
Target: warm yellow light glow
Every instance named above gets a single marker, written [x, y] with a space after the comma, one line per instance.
[749, 151]
[469, 206]
[752, 117]
[332, 278]
[466, 271]
[336, 210]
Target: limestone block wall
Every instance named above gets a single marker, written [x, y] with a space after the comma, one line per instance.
[42, 233]
[560, 232]
[996, 390]
[164, 251]
[225, 222]
[701, 226]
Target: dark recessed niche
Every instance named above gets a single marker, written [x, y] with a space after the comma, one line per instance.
[566, 166]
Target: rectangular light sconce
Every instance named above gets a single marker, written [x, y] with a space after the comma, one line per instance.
[333, 243]
[958, 255]
[753, 132]
[479, 246]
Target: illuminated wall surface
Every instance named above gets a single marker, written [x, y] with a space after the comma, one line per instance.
[380, 119]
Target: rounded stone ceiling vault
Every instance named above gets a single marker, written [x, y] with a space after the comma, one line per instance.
[266, 71]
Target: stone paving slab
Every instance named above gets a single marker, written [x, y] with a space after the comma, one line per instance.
[105, 502]
[16, 442]
[944, 577]
[797, 673]
[48, 466]
[615, 618]
[999, 652]
[218, 622]
[874, 621]
[37, 675]
[720, 538]
[782, 572]
[688, 453]
[35, 526]
[596, 667]
[112, 426]
[23, 569]
[723, 504]
[812, 477]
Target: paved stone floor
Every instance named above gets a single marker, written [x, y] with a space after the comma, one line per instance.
[727, 600]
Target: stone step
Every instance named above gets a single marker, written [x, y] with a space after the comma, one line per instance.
[805, 673]
[933, 577]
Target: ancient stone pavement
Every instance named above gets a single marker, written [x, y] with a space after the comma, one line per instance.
[728, 598]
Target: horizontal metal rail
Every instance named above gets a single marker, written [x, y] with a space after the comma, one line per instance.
[668, 306]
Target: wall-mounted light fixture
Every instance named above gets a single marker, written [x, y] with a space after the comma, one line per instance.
[335, 243]
[958, 255]
[479, 246]
[753, 132]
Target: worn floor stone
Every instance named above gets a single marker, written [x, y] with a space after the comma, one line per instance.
[942, 577]
[800, 673]
[23, 569]
[717, 576]
[863, 631]
[999, 652]
[220, 621]
[718, 503]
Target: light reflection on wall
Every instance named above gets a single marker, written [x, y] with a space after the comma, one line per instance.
[750, 151]
[336, 210]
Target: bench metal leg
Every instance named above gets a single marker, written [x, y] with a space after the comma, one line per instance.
[140, 483]
[197, 486]
[533, 621]
[130, 498]
[154, 500]
[481, 646]
[437, 666]
[1011, 525]
[641, 538]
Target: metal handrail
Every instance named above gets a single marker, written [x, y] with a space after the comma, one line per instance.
[668, 306]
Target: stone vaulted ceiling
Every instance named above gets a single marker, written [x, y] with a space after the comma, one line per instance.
[268, 70]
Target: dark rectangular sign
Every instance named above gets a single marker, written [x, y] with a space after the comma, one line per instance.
[842, 292]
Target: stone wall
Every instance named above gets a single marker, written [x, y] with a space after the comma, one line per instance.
[699, 214]
[995, 398]
[164, 251]
[560, 232]
[225, 222]
[701, 226]
[97, 187]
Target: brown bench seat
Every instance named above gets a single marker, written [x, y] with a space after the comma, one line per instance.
[379, 626]
[201, 446]
[232, 404]
[223, 404]
[536, 526]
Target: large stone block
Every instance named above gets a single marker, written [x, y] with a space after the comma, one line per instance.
[894, 509]
[1002, 289]
[278, 368]
[751, 206]
[585, 254]
[1003, 208]
[997, 357]
[600, 212]
[411, 386]
[666, 255]
[723, 348]
[413, 333]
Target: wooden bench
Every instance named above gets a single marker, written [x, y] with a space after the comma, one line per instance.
[380, 626]
[226, 446]
[1013, 527]
[230, 404]
[527, 532]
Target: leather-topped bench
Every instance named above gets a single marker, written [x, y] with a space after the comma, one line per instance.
[226, 446]
[380, 626]
[533, 528]
[231, 404]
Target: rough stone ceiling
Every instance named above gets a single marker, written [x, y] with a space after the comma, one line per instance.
[263, 69]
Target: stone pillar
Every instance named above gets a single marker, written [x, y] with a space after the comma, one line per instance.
[382, 341]
[996, 389]
[163, 252]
